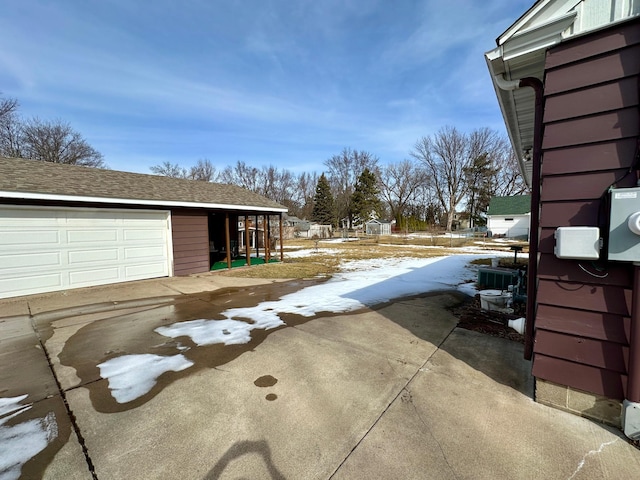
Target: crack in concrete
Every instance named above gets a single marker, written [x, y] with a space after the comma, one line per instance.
[415, 409]
[590, 453]
[384, 411]
[70, 414]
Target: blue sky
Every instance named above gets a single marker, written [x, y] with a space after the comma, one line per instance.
[267, 82]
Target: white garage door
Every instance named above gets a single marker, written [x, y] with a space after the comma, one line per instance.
[44, 249]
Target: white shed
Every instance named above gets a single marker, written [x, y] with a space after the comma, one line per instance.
[378, 227]
[509, 216]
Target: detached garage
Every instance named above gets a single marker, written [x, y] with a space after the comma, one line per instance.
[65, 226]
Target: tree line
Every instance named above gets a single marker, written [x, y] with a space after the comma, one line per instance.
[44, 140]
[447, 173]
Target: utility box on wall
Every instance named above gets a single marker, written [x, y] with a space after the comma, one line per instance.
[577, 243]
[624, 226]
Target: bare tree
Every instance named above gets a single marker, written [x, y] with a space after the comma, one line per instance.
[445, 155]
[8, 106]
[203, 171]
[168, 169]
[10, 129]
[242, 175]
[508, 179]
[302, 195]
[55, 141]
[399, 185]
[343, 172]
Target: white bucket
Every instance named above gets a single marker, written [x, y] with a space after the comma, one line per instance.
[494, 300]
[495, 262]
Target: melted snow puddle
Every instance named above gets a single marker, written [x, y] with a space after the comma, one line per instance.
[361, 283]
[19, 443]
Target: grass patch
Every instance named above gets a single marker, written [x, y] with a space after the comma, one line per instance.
[325, 256]
[287, 269]
[481, 261]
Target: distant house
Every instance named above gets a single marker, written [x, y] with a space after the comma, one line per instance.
[509, 217]
[461, 221]
[294, 227]
[64, 226]
[377, 227]
[566, 78]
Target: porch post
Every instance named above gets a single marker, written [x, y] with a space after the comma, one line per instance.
[247, 239]
[257, 238]
[227, 240]
[265, 232]
[281, 239]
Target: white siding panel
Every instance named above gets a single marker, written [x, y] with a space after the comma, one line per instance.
[509, 226]
[45, 249]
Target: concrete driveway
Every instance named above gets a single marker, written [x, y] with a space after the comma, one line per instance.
[392, 392]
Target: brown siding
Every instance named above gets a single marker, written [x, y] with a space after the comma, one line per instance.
[591, 123]
[190, 232]
[589, 158]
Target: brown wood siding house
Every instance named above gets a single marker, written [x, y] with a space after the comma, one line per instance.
[190, 232]
[591, 126]
[588, 142]
[107, 226]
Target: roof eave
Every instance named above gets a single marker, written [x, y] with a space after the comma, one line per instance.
[128, 201]
[520, 55]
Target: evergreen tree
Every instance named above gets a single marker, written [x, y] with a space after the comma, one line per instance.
[365, 198]
[323, 206]
[478, 176]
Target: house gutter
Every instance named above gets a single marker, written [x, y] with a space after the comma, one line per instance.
[129, 201]
[536, 158]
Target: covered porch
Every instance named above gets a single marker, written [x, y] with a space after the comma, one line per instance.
[244, 239]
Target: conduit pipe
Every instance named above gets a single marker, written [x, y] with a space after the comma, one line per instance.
[536, 158]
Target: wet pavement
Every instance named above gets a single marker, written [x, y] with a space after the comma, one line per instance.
[395, 391]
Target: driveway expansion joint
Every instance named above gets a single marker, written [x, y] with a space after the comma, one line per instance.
[70, 414]
[400, 394]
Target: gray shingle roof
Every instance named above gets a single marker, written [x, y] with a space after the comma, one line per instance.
[514, 205]
[35, 177]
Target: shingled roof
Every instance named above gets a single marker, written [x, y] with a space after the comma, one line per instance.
[31, 179]
[514, 205]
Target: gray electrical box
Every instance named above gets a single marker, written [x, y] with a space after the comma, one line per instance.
[624, 227]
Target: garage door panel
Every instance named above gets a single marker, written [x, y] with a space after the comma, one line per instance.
[92, 236]
[26, 260]
[139, 272]
[143, 235]
[93, 256]
[17, 237]
[146, 252]
[25, 285]
[85, 278]
[48, 248]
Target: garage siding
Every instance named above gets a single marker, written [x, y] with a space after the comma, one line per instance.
[190, 230]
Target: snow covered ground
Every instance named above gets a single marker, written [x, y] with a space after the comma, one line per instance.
[21, 442]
